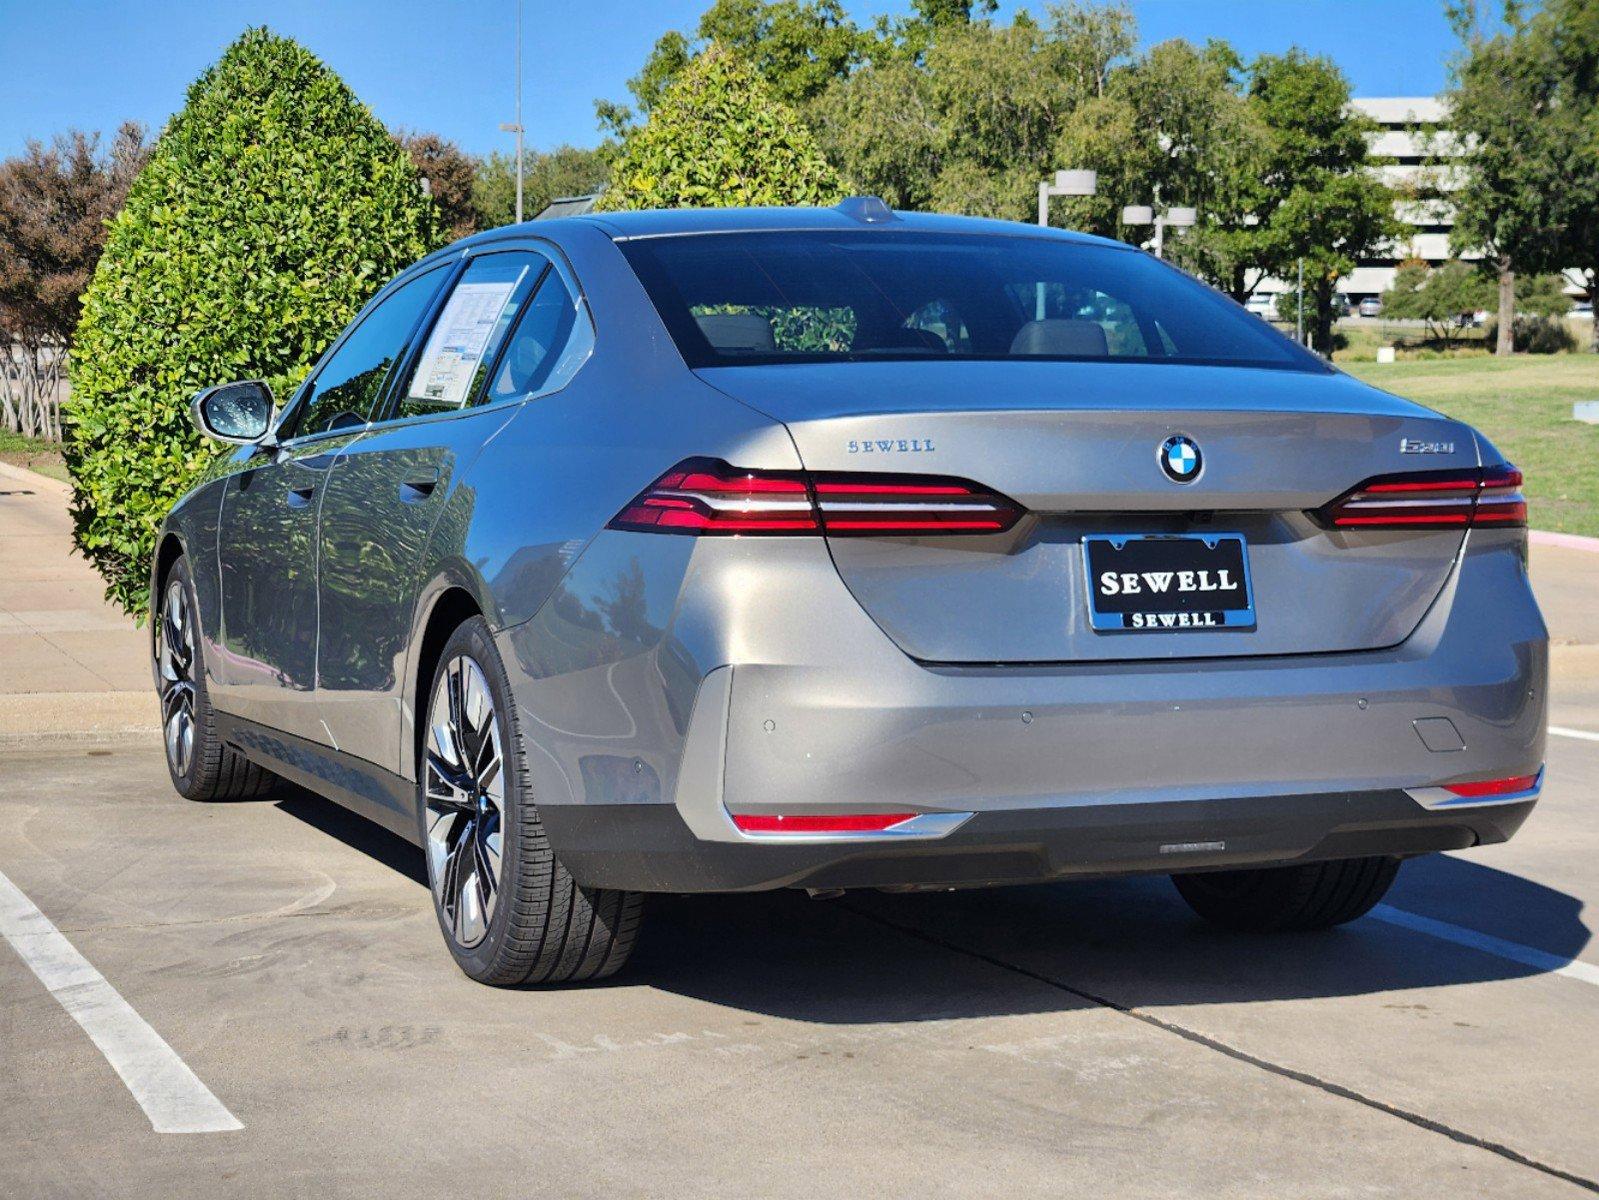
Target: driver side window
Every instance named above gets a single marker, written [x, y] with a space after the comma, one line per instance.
[344, 392]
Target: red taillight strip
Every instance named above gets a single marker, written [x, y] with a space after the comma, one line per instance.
[1419, 485]
[848, 823]
[1432, 500]
[1493, 787]
[707, 496]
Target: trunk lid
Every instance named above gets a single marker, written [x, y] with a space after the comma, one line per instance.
[1077, 444]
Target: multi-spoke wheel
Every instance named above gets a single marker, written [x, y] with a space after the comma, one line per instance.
[174, 641]
[202, 768]
[465, 789]
[510, 912]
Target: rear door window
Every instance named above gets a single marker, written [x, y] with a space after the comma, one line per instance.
[470, 331]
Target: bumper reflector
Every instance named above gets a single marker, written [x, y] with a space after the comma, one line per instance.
[847, 823]
[1493, 787]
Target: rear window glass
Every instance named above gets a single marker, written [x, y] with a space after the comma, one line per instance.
[808, 296]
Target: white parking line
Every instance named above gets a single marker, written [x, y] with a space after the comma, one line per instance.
[1514, 951]
[1562, 731]
[171, 1095]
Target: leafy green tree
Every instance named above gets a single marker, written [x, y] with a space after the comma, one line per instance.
[1175, 128]
[272, 207]
[719, 138]
[1572, 27]
[952, 12]
[1521, 103]
[797, 47]
[970, 121]
[1542, 296]
[546, 176]
[881, 129]
[1319, 201]
[1442, 296]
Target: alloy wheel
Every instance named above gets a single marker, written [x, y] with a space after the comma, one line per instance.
[464, 786]
[175, 660]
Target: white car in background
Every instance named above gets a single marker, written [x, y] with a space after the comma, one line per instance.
[1263, 305]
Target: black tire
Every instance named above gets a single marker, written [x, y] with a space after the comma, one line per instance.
[544, 927]
[1279, 899]
[206, 769]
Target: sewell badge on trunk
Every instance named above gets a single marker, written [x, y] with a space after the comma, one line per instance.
[1160, 582]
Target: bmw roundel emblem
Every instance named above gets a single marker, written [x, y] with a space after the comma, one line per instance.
[1179, 458]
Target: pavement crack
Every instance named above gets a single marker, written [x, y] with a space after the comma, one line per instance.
[1510, 1154]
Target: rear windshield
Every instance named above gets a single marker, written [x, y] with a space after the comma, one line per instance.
[761, 298]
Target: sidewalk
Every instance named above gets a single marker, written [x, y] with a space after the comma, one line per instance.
[72, 668]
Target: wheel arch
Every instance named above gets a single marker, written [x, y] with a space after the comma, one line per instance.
[168, 551]
[449, 607]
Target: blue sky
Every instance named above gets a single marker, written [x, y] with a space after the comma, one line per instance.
[447, 65]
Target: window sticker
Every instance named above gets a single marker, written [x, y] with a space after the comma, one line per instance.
[456, 345]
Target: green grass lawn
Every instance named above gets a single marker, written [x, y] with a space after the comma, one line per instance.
[33, 453]
[1523, 405]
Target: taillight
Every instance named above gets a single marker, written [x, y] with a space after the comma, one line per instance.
[1477, 496]
[849, 823]
[706, 496]
[1494, 787]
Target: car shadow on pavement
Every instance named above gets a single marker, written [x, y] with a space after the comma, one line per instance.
[871, 958]
[354, 831]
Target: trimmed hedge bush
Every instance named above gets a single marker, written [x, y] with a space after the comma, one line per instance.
[718, 138]
[1534, 335]
[273, 206]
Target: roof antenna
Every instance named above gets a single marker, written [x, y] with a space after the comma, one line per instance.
[868, 210]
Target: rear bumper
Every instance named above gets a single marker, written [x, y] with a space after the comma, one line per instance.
[648, 847]
[772, 692]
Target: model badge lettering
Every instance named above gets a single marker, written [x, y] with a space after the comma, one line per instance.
[1131, 583]
[890, 446]
[1412, 446]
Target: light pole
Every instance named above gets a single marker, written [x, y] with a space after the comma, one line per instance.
[1066, 183]
[1171, 218]
[516, 126]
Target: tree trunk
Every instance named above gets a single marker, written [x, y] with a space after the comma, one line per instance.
[1506, 344]
[1593, 295]
[1321, 337]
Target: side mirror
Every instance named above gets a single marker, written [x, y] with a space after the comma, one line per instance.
[240, 413]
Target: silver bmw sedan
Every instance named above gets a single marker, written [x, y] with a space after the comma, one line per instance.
[842, 548]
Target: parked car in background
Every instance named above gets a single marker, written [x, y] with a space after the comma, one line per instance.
[1582, 310]
[1371, 306]
[722, 550]
[1262, 304]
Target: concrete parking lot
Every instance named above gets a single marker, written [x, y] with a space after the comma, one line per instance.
[1090, 1039]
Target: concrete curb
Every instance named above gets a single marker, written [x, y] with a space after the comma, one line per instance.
[33, 479]
[1566, 541]
[32, 719]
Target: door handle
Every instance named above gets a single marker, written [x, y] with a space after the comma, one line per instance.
[299, 497]
[414, 491]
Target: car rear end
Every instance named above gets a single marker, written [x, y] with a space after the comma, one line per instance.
[1019, 606]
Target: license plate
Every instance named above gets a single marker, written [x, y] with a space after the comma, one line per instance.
[1168, 582]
